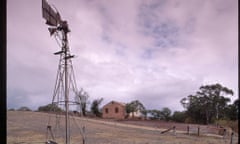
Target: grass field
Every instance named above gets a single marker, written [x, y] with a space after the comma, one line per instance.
[31, 127]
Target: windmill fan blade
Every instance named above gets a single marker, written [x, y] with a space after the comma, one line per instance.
[52, 18]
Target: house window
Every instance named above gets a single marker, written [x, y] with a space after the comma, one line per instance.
[116, 110]
[106, 110]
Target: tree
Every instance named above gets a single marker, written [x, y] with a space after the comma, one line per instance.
[145, 112]
[166, 114]
[232, 110]
[129, 108]
[193, 109]
[95, 107]
[24, 108]
[216, 93]
[82, 99]
[179, 116]
[134, 106]
[50, 108]
[155, 114]
[207, 104]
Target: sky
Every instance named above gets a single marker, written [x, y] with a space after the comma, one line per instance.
[154, 51]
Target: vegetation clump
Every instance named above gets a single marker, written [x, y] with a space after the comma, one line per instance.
[50, 108]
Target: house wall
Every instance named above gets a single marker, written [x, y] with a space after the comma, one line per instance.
[135, 114]
[113, 110]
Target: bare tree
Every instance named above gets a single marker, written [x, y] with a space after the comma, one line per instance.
[82, 99]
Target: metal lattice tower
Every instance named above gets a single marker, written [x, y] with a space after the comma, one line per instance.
[65, 84]
[65, 80]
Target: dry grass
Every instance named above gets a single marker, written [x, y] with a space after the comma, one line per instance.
[30, 127]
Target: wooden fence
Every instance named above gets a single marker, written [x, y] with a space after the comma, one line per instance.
[204, 130]
[208, 130]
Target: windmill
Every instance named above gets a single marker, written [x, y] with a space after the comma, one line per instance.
[65, 84]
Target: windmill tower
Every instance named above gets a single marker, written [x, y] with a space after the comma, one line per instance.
[65, 84]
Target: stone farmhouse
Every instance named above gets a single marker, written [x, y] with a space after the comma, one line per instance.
[114, 110]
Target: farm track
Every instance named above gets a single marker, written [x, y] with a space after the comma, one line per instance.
[30, 127]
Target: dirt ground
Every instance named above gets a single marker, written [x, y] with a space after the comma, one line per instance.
[31, 127]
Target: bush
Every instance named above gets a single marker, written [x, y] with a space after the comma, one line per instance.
[95, 107]
[50, 108]
[229, 123]
[11, 109]
[179, 116]
[188, 120]
[24, 109]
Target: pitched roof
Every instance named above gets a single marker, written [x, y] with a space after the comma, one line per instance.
[112, 102]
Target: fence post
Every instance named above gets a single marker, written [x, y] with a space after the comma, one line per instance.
[231, 141]
[83, 140]
[174, 130]
[224, 133]
[198, 130]
[188, 129]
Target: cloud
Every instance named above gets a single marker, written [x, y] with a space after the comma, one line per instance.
[156, 51]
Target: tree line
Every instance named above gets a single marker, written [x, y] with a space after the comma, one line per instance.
[209, 104]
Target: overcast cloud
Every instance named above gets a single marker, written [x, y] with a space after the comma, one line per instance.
[155, 51]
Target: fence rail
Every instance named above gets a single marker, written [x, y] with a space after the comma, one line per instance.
[204, 130]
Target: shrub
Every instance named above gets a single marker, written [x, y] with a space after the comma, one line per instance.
[11, 109]
[179, 116]
[229, 123]
[24, 109]
[188, 120]
[50, 108]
